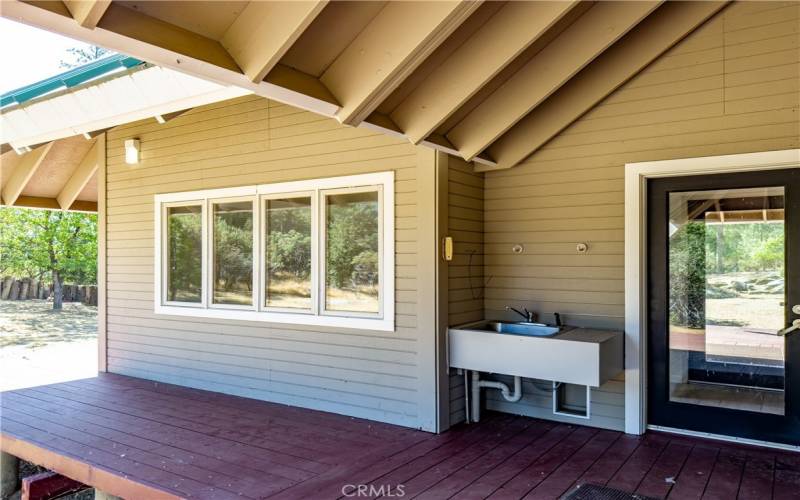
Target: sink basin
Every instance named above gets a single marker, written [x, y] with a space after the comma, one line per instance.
[536, 330]
[580, 356]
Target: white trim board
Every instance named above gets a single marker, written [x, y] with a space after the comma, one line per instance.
[636, 175]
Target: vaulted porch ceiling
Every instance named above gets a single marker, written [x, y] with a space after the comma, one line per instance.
[490, 82]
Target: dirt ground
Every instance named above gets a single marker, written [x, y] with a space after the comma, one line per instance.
[40, 346]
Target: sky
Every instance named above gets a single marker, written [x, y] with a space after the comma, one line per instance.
[29, 54]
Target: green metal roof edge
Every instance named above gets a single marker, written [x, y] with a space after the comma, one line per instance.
[68, 79]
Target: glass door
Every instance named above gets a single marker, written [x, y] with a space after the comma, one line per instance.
[724, 275]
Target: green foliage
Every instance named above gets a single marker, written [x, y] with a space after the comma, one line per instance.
[687, 275]
[185, 256]
[735, 248]
[34, 243]
[233, 250]
[78, 56]
[352, 242]
[289, 241]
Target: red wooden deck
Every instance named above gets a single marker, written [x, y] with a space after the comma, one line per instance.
[140, 439]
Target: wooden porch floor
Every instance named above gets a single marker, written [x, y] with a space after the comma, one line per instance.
[145, 440]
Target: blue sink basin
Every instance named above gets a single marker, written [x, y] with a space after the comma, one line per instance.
[532, 329]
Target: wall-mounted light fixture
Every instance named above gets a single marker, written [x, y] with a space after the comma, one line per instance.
[131, 151]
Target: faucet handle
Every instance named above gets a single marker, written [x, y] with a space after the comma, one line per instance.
[557, 317]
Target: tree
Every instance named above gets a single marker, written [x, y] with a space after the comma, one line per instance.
[78, 56]
[37, 243]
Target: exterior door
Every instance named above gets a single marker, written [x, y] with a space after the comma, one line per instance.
[723, 280]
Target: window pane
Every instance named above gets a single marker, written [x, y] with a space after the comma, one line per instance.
[288, 253]
[727, 298]
[351, 252]
[184, 254]
[233, 253]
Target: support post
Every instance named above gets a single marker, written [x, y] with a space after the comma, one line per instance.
[9, 474]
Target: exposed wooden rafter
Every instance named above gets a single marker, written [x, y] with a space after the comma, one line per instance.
[125, 30]
[387, 51]
[654, 36]
[79, 178]
[501, 39]
[576, 47]
[23, 172]
[264, 31]
[87, 12]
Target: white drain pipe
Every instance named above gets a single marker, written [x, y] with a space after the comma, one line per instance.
[477, 384]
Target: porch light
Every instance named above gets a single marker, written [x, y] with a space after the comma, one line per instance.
[131, 151]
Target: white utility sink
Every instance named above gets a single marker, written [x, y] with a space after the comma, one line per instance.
[573, 355]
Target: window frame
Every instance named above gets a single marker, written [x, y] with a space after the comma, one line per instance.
[210, 202]
[164, 251]
[263, 199]
[316, 189]
[323, 244]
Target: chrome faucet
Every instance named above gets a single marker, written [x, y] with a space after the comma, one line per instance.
[530, 316]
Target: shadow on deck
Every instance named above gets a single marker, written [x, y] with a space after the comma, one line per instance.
[143, 440]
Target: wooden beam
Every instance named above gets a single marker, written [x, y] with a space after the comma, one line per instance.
[164, 44]
[654, 36]
[387, 51]
[80, 177]
[164, 118]
[498, 42]
[575, 47]
[52, 204]
[87, 12]
[49, 485]
[264, 31]
[23, 172]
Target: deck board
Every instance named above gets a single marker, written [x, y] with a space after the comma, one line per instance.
[141, 439]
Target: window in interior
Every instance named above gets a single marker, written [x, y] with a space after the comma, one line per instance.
[233, 253]
[184, 254]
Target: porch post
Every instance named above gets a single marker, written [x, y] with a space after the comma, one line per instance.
[9, 474]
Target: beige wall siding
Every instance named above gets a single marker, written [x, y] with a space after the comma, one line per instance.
[250, 140]
[465, 271]
[733, 86]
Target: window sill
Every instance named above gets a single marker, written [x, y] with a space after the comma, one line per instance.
[383, 325]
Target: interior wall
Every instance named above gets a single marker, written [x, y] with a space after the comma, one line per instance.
[733, 86]
[381, 376]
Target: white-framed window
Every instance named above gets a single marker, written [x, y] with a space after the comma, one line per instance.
[313, 252]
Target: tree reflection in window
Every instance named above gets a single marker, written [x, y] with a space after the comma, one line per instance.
[185, 253]
[288, 253]
[351, 252]
[233, 253]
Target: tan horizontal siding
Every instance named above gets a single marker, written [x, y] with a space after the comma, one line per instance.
[465, 272]
[252, 141]
[733, 86]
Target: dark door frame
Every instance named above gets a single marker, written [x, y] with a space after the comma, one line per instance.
[636, 177]
[717, 420]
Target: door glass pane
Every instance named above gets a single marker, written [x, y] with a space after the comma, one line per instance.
[184, 254]
[233, 253]
[727, 298]
[351, 252]
[288, 253]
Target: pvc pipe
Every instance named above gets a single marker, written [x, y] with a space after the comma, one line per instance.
[477, 383]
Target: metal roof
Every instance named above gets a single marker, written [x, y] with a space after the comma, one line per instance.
[70, 78]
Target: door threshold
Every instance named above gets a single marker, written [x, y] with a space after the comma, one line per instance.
[720, 437]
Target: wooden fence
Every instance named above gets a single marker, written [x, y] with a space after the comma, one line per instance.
[29, 288]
